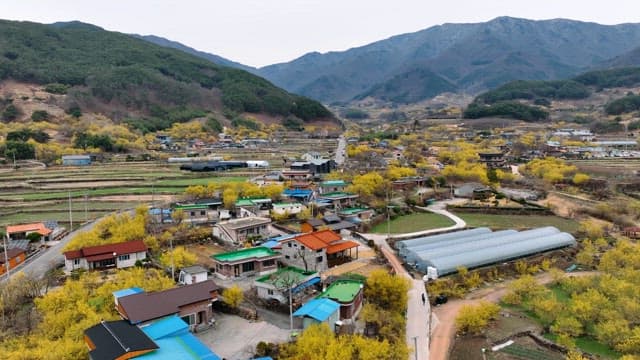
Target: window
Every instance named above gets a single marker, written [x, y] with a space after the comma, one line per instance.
[295, 244]
[268, 263]
[192, 213]
[319, 259]
[302, 248]
[189, 319]
[247, 266]
[270, 292]
[287, 257]
[124, 257]
[289, 244]
[76, 261]
[319, 251]
[219, 266]
[203, 213]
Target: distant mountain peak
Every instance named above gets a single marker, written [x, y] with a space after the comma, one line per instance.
[474, 57]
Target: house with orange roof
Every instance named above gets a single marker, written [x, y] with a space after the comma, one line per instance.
[20, 232]
[317, 250]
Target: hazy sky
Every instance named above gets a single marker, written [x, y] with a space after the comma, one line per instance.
[262, 32]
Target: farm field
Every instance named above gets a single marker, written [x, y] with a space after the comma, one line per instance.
[413, 222]
[96, 190]
[518, 221]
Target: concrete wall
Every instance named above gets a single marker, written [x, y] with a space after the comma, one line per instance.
[293, 256]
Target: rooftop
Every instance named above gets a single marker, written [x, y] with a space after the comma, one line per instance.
[172, 335]
[352, 211]
[319, 309]
[138, 308]
[192, 207]
[284, 276]
[333, 183]
[194, 269]
[242, 223]
[245, 254]
[34, 227]
[95, 253]
[337, 195]
[114, 339]
[343, 291]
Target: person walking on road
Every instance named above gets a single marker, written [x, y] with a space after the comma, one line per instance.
[423, 299]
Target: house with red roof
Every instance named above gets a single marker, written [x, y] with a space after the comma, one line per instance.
[317, 250]
[20, 232]
[120, 255]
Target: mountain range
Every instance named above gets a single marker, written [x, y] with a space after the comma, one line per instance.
[126, 77]
[457, 57]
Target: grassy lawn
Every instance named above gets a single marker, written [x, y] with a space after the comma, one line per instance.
[414, 222]
[518, 221]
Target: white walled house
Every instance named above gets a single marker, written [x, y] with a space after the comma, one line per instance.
[243, 229]
[192, 274]
[121, 255]
[276, 286]
[289, 208]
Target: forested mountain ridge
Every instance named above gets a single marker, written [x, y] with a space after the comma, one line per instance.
[470, 57]
[122, 76]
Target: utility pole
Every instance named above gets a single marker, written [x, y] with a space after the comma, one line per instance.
[70, 214]
[388, 215]
[415, 345]
[290, 311]
[6, 255]
[86, 212]
[171, 249]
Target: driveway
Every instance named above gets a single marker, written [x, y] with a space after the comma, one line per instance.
[235, 338]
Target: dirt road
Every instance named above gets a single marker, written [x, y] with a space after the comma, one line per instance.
[444, 316]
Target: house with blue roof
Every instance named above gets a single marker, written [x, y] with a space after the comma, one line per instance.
[167, 338]
[319, 311]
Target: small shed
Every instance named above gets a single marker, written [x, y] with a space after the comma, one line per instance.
[192, 274]
[319, 311]
[76, 160]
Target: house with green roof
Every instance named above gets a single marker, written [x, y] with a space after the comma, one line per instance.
[288, 208]
[275, 286]
[347, 293]
[356, 214]
[246, 262]
[332, 186]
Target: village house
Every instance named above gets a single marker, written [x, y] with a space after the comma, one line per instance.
[330, 186]
[11, 257]
[349, 294]
[318, 311]
[20, 232]
[201, 211]
[299, 195]
[329, 221]
[275, 286]
[117, 340]
[120, 255]
[317, 250]
[409, 182]
[296, 175]
[243, 229]
[192, 303]
[167, 338]
[288, 208]
[339, 199]
[632, 232]
[246, 262]
[493, 160]
[356, 215]
[192, 274]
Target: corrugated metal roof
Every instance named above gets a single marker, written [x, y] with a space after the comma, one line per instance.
[319, 309]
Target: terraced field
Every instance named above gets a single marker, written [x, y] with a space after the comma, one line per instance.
[96, 190]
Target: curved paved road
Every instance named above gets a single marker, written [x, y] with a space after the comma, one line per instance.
[50, 257]
[418, 320]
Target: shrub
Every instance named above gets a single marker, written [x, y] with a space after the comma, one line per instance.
[40, 115]
[56, 88]
[473, 319]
